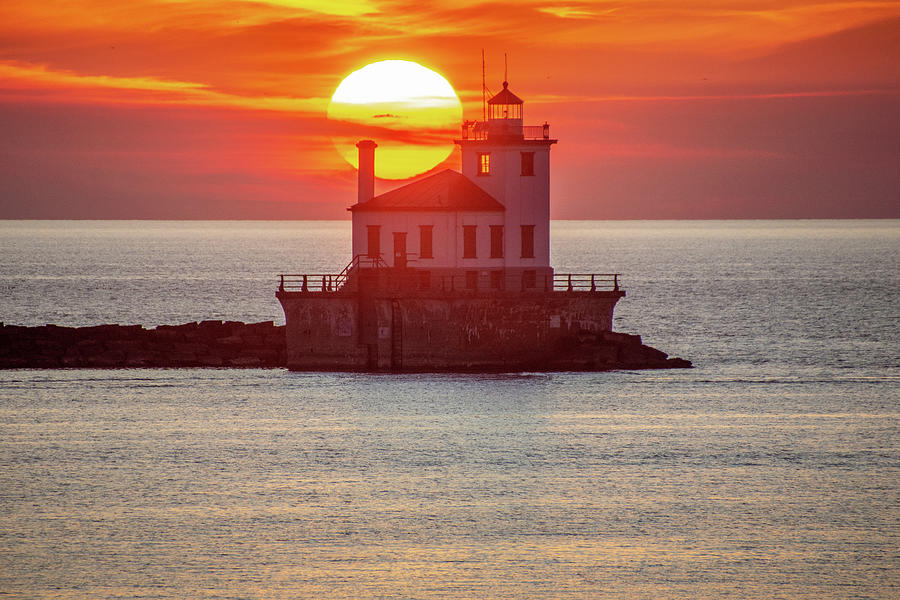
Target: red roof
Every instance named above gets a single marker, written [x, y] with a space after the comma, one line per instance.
[445, 191]
[505, 97]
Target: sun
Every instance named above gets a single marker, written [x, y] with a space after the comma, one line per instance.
[411, 111]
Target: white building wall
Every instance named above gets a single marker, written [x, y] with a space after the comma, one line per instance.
[447, 237]
[526, 197]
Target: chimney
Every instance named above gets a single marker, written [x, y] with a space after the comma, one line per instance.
[366, 170]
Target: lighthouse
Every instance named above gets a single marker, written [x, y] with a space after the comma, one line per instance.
[452, 272]
[486, 228]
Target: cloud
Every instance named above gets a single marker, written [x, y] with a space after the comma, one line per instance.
[76, 87]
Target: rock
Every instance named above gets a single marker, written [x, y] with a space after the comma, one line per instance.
[679, 363]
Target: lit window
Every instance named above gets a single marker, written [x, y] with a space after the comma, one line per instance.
[484, 163]
[527, 163]
[469, 241]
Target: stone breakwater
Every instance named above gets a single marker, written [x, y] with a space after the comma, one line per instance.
[609, 351]
[233, 344]
[204, 344]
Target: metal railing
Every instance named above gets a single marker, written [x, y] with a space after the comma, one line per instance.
[585, 282]
[329, 282]
[536, 132]
[423, 280]
[480, 130]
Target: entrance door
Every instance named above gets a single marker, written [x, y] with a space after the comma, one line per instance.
[400, 249]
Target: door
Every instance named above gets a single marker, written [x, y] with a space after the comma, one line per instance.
[399, 249]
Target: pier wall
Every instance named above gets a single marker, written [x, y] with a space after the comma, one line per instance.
[429, 332]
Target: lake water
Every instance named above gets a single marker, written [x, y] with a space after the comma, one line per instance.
[771, 470]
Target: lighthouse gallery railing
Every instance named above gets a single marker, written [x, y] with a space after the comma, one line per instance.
[345, 280]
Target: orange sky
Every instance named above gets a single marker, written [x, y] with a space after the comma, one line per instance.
[663, 109]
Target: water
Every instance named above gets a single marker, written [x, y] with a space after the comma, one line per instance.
[770, 470]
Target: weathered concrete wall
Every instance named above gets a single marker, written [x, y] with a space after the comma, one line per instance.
[496, 332]
[428, 332]
[324, 332]
[204, 344]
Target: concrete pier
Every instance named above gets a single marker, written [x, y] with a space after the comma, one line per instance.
[384, 321]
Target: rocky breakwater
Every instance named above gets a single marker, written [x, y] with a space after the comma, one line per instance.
[204, 344]
[609, 351]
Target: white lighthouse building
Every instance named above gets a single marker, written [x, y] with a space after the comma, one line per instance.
[452, 272]
[487, 228]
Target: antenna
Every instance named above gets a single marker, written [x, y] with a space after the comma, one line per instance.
[483, 88]
[505, 68]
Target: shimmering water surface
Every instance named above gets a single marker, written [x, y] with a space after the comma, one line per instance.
[772, 470]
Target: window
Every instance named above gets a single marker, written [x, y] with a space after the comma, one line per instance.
[496, 241]
[424, 280]
[527, 241]
[471, 280]
[469, 241]
[529, 280]
[484, 163]
[505, 111]
[425, 241]
[374, 241]
[497, 280]
[527, 163]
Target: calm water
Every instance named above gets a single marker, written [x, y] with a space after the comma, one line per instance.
[772, 470]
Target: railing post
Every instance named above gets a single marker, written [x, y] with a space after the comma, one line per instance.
[616, 282]
[593, 285]
[281, 287]
[323, 283]
[570, 282]
[304, 287]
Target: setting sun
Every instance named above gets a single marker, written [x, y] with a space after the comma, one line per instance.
[410, 110]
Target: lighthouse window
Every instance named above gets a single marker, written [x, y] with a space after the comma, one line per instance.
[469, 241]
[425, 239]
[527, 163]
[496, 241]
[484, 163]
[527, 241]
[374, 232]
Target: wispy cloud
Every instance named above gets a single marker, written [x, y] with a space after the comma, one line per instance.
[23, 77]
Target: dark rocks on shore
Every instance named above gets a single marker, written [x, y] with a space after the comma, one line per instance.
[204, 344]
[609, 351]
[234, 344]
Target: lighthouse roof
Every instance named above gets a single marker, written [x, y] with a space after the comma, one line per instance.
[447, 190]
[505, 96]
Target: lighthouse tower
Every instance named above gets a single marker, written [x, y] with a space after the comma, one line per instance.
[511, 162]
